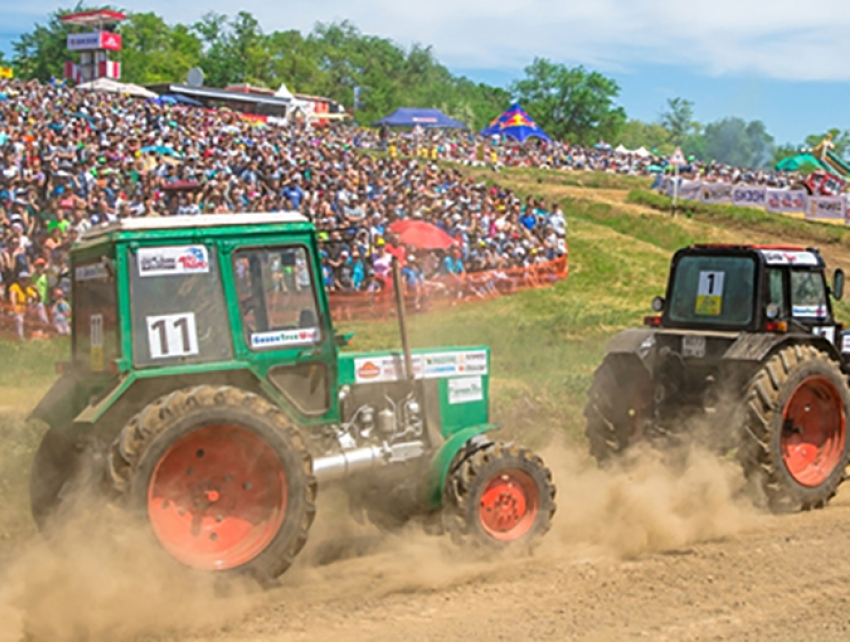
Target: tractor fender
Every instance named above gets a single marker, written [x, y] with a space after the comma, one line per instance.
[758, 347]
[628, 341]
[443, 458]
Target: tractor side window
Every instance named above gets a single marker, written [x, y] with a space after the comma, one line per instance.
[808, 294]
[179, 314]
[277, 297]
[777, 290]
[95, 315]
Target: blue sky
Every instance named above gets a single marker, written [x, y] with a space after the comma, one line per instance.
[778, 61]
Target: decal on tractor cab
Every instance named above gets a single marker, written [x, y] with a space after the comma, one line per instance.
[789, 257]
[710, 293]
[436, 365]
[96, 343]
[172, 335]
[171, 261]
[279, 338]
[91, 272]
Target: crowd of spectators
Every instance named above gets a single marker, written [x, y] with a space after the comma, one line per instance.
[70, 160]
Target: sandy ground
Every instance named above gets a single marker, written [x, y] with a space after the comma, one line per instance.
[652, 550]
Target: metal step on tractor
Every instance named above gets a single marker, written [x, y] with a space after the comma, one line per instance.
[208, 388]
[746, 348]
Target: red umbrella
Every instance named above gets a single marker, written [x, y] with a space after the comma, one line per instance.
[421, 235]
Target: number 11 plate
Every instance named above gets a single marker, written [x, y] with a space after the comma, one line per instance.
[693, 347]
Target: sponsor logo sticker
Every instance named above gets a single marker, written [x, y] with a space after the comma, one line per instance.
[170, 261]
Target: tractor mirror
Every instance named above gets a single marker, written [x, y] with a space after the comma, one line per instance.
[658, 304]
[838, 284]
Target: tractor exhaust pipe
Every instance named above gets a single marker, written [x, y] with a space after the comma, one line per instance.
[343, 464]
[402, 320]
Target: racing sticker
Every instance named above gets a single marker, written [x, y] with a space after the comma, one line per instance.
[96, 342]
[91, 272]
[173, 260]
[279, 338]
[465, 390]
[172, 335]
[436, 365]
[710, 294]
[845, 342]
[818, 311]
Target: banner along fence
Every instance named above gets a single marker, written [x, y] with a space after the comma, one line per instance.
[774, 200]
[446, 291]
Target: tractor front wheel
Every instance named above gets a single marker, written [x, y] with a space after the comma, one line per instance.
[497, 496]
[795, 438]
[222, 478]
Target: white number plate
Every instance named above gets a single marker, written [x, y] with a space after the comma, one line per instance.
[172, 335]
[693, 346]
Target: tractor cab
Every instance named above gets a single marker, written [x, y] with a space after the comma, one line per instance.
[749, 288]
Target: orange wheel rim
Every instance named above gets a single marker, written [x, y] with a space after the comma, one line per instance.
[217, 497]
[509, 505]
[813, 431]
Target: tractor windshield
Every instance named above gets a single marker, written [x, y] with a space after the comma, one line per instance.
[179, 314]
[713, 290]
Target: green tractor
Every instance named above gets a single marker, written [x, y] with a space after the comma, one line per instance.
[744, 354]
[207, 389]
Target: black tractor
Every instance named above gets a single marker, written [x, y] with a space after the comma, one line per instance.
[744, 354]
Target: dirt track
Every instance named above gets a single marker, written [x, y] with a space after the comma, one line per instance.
[652, 552]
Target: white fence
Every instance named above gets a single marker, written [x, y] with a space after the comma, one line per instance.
[823, 208]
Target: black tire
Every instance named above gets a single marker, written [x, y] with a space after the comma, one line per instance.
[54, 468]
[618, 400]
[156, 432]
[771, 394]
[472, 474]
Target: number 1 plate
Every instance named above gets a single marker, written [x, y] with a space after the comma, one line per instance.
[693, 347]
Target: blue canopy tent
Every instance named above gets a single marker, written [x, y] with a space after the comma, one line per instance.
[428, 118]
[515, 123]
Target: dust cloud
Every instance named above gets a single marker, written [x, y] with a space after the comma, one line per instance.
[648, 501]
[100, 578]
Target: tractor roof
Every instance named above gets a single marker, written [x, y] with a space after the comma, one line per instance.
[772, 254]
[251, 223]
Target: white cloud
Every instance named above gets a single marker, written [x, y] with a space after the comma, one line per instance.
[778, 38]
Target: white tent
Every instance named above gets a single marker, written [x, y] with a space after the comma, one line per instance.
[114, 87]
[621, 149]
[642, 152]
[283, 92]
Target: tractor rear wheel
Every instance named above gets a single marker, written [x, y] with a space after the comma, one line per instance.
[54, 468]
[795, 439]
[618, 401]
[500, 495]
[222, 478]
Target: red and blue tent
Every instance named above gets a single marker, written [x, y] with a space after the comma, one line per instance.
[515, 123]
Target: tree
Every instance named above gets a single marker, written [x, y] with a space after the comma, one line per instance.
[736, 142]
[636, 133]
[678, 120]
[570, 102]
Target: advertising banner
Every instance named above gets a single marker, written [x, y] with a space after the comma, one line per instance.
[92, 40]
[716, 193]
[744, 195]
[826, 208]
[690, 190]
[783, 200]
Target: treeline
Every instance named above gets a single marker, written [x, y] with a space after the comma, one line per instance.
[570, 103]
